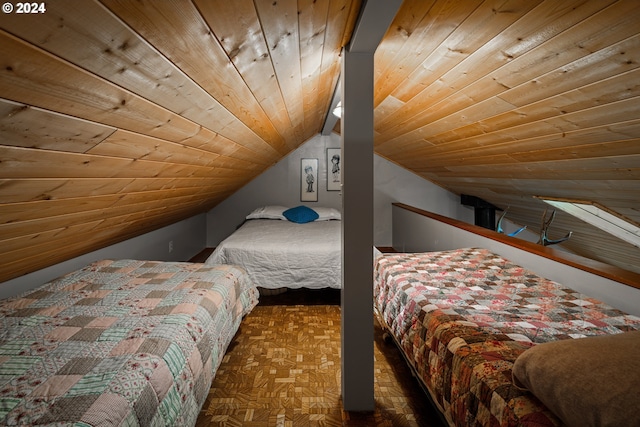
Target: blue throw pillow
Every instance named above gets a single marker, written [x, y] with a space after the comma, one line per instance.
[300, 214]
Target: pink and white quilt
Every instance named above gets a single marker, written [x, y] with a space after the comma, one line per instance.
[122, 343]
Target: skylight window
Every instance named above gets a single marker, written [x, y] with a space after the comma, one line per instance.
[600, 217]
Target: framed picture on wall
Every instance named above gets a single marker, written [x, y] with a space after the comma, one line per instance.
[309, 180]
[334, 168]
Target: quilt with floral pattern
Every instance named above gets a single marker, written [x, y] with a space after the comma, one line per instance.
[119, 343]
[463, 316]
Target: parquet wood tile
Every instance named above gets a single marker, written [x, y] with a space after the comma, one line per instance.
[283, 369]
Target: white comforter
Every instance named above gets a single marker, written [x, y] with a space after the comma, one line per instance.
[279, 253]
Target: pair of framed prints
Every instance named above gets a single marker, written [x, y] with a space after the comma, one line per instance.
[309, 175]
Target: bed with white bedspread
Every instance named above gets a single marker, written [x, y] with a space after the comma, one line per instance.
[279, 253]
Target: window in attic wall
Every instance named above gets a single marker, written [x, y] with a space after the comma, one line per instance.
[601, 217]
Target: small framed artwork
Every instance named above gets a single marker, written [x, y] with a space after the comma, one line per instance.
[334, 167]
[309, 180]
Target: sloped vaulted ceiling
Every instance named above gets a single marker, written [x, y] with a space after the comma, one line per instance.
[119, 117]
[507, 100]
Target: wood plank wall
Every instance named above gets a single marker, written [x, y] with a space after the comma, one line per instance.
[509, 100]
[118, 117]
[121, 117]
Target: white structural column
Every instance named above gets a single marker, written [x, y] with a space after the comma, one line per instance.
[357, 204]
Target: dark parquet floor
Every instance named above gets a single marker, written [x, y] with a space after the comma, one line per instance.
[283, 369]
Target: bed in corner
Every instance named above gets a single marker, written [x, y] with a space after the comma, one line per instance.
[119, 342]
[486, 339]
[286, 248]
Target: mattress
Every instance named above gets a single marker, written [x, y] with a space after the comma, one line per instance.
[119, 342]
[463, 316]
[278, 253]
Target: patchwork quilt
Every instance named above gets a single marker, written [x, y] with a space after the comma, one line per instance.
[119, 343]
[463, 316]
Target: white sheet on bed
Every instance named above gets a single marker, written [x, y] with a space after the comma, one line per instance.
[279, 253]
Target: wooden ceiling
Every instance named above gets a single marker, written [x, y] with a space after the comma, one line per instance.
[507, 100]
[118, 117]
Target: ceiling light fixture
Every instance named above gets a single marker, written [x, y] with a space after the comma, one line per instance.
[338, 110]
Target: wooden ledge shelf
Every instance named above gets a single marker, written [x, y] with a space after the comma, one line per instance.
[592, 266]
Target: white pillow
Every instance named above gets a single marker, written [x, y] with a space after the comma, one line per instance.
[326, 214]
[268, 212]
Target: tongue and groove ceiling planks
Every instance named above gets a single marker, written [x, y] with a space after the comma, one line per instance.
[120, 117]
